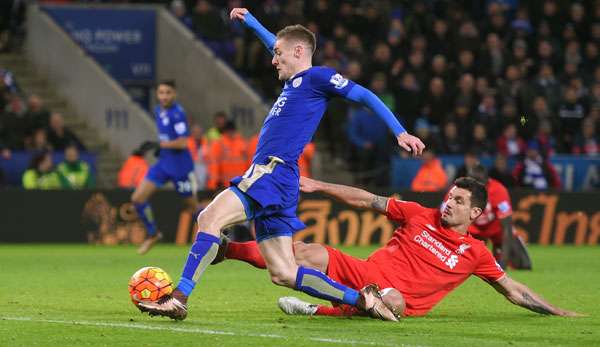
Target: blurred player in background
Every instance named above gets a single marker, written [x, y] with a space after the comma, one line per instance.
[268, 192]
[174, 162]
[428, 256]
[495, 223]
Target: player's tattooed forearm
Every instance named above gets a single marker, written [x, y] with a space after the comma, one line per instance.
[534, 305]
[379, 203]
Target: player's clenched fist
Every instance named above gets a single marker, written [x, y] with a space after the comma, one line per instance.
[238, 13]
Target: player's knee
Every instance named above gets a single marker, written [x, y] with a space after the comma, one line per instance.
[207, 223]
[283, 278]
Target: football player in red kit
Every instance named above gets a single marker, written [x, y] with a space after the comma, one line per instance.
[495, 223]
[429, 255]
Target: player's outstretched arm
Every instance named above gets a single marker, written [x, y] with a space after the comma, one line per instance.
[242, 14]
[349, 195]
[367, 98]
[520, 294]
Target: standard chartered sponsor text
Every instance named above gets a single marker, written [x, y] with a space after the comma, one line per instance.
[434, 246]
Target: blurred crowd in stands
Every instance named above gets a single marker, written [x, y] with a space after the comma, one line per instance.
[26, 125]
[508, 78]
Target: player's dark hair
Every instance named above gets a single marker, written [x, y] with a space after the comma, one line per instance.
[478, 191]
[170, 83]
[478, 172]
[299, 33]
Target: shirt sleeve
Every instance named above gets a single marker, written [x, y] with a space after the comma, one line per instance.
[330, 82]
[180, 126]
[501, 204]
[400, 210]
[488, 269]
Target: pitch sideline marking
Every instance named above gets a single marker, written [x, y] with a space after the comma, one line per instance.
[190, 330]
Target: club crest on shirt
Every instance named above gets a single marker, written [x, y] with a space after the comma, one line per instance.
[165, 121]
[297, 82]
[462, 248]
[338, 81]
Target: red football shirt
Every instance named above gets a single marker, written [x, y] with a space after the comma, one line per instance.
[425, 261]
[487, 225]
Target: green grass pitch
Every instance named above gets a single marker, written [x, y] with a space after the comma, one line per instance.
[76, 295]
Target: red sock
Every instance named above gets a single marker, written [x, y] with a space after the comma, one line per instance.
[246, 251]
[343, 310]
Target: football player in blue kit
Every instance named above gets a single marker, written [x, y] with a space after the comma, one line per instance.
[174, 162]
[269, 190]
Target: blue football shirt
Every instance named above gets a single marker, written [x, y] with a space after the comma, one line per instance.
[295, 115]
[171, 124]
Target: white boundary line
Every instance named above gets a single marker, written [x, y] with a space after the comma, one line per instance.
[191, 330]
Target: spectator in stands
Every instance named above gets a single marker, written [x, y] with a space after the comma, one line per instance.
[178, 10]
[39, 141]
[212, 29]
[509, 114]
[437, 102]
[509, 143]
[466, 91]
[431, 176]
[545, 138]
[60, 136]
[594, 98]
[481, 142]
[470, 161]
[228, 157]
[546, 84]
[41, 173]
[487, 111]
[570, 115]
[77, 172]
[501, 172]
[452, 143]
[368, 138]
[37, 115]
[134, 169]
[492, 58]
[535, 171]
[408, 99]
[587, 142]
[198, 146]
[219, 121]
[5, 152]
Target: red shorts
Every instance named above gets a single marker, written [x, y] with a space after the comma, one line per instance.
[352, 272]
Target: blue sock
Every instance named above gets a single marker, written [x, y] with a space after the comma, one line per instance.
[203, 252]
[316, 283]
[144, 211]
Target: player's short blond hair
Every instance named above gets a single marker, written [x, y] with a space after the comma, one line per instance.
[299, 33]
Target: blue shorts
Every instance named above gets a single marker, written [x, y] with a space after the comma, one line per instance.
[270, 195]
[185, 183]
